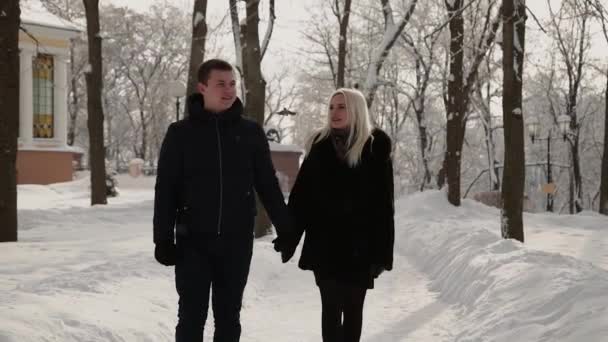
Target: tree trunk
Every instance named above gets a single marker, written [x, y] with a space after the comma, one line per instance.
[576, 197]
[197, 47]
[144, 135]
[486, 115]
[95, 115]
[73, 109]
[491, 154]
[604, 180]
[343, 20]
[514, 159]
[455, 101]
[255, 83]
[578, 177]
[424, 145]
[256, 87]
[423, 140]
[10, 14]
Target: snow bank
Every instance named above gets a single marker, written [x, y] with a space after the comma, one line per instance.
[506, 291]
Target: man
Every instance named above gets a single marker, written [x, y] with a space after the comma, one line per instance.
[209, 165]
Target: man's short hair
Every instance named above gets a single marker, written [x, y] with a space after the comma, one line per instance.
[204, 70]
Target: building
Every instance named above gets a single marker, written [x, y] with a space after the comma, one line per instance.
[43, 156]
[286, 161]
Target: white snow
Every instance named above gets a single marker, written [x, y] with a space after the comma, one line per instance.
[83, 273]
[34, 13]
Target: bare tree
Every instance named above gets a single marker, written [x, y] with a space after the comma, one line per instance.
[95, 118]
[423, 53]
[461, 84]
[602, 14]
[604, 178]
[455, 103]
[573, 44]
[250, 55]
[392, 31]
[342, 15]
[514, 29]
[199, 37]
[10, 15]
[482, 100]
[280, 95]
[147, 56]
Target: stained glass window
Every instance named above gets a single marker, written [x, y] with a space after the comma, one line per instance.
[43, 96]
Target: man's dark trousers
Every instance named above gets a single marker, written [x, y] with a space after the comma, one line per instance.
[222, 265]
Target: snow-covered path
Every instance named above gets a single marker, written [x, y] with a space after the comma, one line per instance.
[88, 274]
[400, 308]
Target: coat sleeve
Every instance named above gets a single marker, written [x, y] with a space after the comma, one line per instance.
[386, 202]
[267, 185]
[167, 188]
[300, 200]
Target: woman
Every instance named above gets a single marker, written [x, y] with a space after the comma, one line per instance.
[343, 200]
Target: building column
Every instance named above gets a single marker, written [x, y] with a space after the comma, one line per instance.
[26, 104]
[60, 99]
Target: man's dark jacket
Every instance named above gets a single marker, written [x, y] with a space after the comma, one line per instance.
[208, 168]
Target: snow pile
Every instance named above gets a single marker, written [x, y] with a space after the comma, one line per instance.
[506, 291]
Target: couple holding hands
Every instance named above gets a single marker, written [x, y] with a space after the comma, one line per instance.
[342, 201]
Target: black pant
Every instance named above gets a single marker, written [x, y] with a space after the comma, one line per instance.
[342, 305]
[221, 265]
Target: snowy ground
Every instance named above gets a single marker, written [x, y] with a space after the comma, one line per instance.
[87, 274]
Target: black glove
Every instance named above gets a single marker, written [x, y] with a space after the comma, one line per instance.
[285, 246]
[165, 253]
[376, 270]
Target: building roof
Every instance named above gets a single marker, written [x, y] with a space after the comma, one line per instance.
[285, 147]
[34, 13]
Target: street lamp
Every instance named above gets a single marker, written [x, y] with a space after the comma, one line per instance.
[286, 112]
[563, 121]
[273, 134]
[177, 90]
[533, 128]
[533, 125]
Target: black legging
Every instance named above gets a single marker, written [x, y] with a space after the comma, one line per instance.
[340, 300]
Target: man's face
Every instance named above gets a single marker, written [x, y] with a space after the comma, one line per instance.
[219, 92]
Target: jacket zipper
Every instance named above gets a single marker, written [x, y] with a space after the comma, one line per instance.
[219, 150]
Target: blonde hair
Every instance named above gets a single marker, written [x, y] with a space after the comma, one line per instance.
[359, 123]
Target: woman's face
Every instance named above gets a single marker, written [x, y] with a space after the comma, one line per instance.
[338, 116]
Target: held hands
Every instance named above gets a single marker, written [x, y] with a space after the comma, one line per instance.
[284, 244]
[165, 253]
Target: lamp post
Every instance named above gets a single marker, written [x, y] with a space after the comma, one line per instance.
[177, 90]
[273, 134]
[533, 126]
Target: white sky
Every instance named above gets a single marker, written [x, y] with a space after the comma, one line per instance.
[285, 36]
[290, 14]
